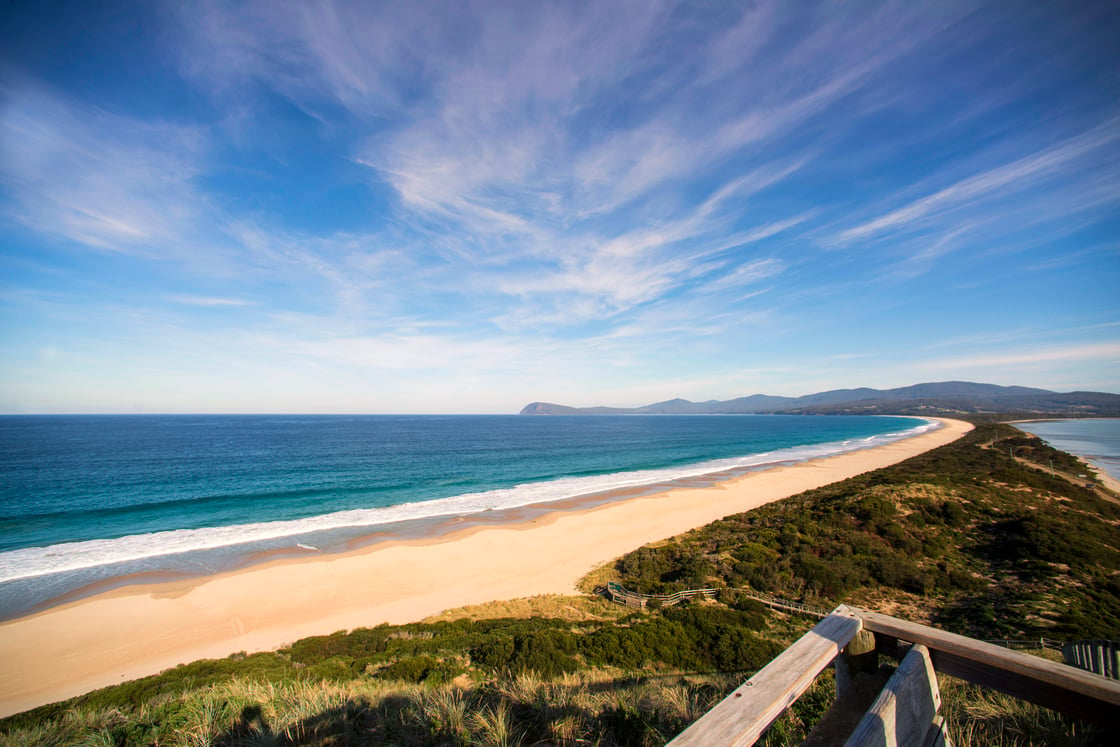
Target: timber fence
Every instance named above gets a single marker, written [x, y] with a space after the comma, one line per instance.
[1040, 643]
[1098, 657]
[620, 594]
[785, 604]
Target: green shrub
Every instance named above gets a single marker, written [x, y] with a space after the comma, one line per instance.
[547, 653]
[420, 669]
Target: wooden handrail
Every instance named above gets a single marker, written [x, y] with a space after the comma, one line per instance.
[741, 717]
[1063, 688]
[1067, 689]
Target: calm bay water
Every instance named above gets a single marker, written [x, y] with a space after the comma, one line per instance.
[1096, 440]
[87, 499]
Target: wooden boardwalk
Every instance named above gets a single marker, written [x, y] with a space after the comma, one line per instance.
[620, 594]
[785, 605]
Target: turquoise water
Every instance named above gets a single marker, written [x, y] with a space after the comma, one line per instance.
[88, 499]
[1097, 440]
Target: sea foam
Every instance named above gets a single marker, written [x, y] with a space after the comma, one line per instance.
[139, 552]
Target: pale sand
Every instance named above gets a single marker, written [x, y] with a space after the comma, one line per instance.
[1106, 479]
[140, 630]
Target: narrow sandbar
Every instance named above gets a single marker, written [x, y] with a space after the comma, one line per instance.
[138, 630]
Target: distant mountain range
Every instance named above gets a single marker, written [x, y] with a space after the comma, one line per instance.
[940, 398]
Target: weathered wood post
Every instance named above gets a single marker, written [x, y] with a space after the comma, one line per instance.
[906, 711]
[858, 656]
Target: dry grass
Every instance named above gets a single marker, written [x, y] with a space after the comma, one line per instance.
[978, 716]
[598, 577]
[600, 707]
[554, 606]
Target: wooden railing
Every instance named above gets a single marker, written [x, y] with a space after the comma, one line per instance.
[1098, 657]
[622, 595]
[906, 709]
[1039, 643]
[785, 604]
[619, 593]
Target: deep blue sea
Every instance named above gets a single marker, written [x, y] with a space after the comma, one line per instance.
[1097, 440]
[91, 499]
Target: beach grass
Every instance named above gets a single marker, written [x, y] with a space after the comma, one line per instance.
[588, 708]
[504, 668]
[601, 707]
[552, 606]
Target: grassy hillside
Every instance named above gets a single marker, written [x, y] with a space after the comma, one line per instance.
[614, 677]
[972, 537]
[976, 537]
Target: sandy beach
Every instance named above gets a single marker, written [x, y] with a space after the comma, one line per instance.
[143, 629]
[1106, 479]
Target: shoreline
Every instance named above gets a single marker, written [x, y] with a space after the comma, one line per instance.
[21, 597]
[141, 629]
[1108, 480]
[428, 529]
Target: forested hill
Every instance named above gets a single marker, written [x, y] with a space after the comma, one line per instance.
[939, 398]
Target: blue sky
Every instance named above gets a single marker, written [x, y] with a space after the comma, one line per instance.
[273, 206]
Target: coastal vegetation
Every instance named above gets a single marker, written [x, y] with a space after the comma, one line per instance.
[631, 678]
[977, 537]
[986, 536]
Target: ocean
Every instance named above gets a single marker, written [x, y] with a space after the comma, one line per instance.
[90, 502]
[1097, 440]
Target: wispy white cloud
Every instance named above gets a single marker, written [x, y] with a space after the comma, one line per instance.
[209, 301]
[107, 181]
[1057, 161]
[1108, 352]
[748, 274]
[504, 137]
